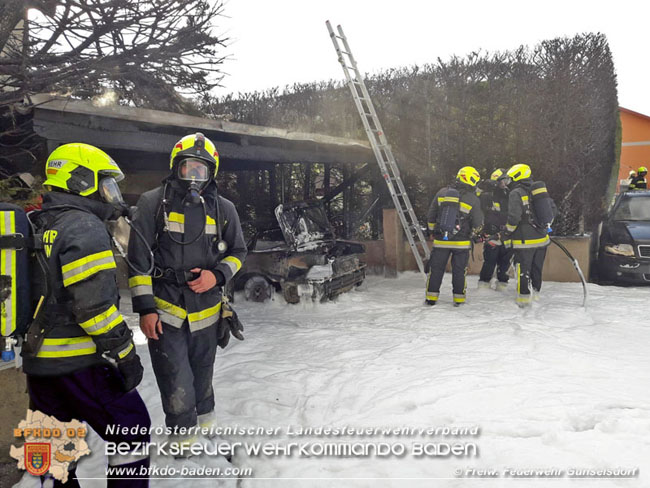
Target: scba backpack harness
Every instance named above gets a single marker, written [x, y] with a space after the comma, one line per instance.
[29, 308]
[540, 207]
[447, 221]
[15, 297]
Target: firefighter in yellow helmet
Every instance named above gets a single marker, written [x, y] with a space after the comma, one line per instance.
[199, 246]
[78, 354]
[454, 219]
[639, 181]
[530, 214]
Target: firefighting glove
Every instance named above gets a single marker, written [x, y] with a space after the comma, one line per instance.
[228, 325]
[129, 366]
[131, 371]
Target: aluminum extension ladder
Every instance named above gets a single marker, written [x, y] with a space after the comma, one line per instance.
[380, 146]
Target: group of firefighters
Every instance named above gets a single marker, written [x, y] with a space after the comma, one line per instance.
[186, 244]
[510, 213]
[637, 179]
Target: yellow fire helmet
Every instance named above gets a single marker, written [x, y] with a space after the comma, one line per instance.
[497, 173]
[195, 146]
[519, 172]
[642, 169]
[468, 175]
[76, 168]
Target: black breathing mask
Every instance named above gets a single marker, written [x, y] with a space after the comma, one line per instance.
[194, 175]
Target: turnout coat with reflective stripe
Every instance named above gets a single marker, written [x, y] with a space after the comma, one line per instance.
[86, 320]
[469, 213]
[523, 235]
[174, 303]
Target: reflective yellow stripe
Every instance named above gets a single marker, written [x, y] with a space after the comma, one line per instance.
[496, 205]
[103, 322]
[210, 225]
[139, 280]
[432, 296]
[510, 228]
[67, 347]
[176, 222]
[176, 217]
[233, 263]
[8, 308]
[530, 242]
[452, 244]
[124, 352]
[431, 226]
[204, 318]
[465, 207]
[459, 298]
[537, 191]
[524, 198]
[140, 285]
[204, 314]
[170, 313]
[448, 199]
[85, 267]
[170, 308]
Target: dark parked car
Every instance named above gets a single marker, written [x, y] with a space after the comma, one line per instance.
[300, 256]
[622, 242]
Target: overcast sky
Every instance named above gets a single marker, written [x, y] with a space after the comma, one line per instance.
[279, 42]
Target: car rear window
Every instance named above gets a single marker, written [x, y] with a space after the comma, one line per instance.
[634, 208]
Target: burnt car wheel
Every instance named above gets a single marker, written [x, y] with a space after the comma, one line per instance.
[290, 293]
[257, 289]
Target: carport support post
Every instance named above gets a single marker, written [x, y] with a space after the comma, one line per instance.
[393, 243]
[273, 187]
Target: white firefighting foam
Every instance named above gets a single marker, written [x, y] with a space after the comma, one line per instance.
[554, 386]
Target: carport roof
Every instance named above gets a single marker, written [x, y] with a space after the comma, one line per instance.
[153, 133]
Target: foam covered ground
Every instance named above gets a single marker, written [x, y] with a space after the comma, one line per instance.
[554, 386]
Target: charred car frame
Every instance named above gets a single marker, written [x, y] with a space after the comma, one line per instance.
[300, 257]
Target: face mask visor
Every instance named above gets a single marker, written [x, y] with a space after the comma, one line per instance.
[503, 182]
[193, 170]
[110, 191]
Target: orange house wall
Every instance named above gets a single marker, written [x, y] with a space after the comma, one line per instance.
[635, 143]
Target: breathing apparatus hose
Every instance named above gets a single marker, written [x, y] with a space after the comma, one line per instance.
[124, 255]
[166, 221]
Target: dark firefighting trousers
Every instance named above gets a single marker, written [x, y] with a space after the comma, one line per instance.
[437, 264]
[529, 263]
[94, 395]
[495, 257]
[183, 363]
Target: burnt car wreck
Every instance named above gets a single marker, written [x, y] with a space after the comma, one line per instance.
[300, 257]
